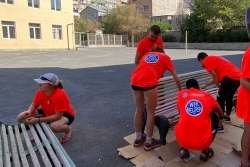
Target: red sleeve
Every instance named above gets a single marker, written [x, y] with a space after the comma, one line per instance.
[140, 48]
[246, 65]
[214, 102]
[38, 98]
[209, 64]
[169, 63]
[61, 103]
[160, 42]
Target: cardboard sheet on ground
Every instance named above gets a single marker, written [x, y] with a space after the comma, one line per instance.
[169, 153]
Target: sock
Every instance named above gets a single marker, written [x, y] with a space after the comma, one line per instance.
[138, 135]
[149, 140]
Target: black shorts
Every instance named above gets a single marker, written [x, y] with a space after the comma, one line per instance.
[141, 88]
[66, 115]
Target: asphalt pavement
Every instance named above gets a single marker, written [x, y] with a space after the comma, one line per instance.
[97, 81]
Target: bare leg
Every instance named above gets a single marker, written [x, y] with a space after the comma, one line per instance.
[151, 97]
[139, 102]
[245, 144]
[61, 126]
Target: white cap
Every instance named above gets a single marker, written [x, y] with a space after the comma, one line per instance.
[49, 78]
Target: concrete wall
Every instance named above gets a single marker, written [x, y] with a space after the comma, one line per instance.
[22, 15]
[205, 46]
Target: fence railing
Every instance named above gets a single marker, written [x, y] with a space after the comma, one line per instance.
[106, 40]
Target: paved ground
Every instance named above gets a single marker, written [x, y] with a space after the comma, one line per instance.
[97, 82]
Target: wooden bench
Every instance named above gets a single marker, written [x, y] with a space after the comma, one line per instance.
[17, 150]
[167, 93]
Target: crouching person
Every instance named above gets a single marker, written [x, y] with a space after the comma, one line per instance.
[161, 122]
[200, 116]
[55, 107]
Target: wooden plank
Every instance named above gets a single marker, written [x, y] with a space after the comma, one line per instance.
[43, 154]
[1, 150]
[48, 146]
[30, 147]
[20, 147]
[15, 156]
[61, 153]
[6, 154]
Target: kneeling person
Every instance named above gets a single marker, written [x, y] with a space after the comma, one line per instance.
[162, 124]
[200, 116]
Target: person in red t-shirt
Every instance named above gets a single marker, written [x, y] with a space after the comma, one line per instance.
[226, 76]
[243, 107]
[198, 122]
[144, 81]
[147, 43]
[55, 106]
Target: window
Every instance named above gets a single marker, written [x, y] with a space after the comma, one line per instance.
[146, 8]
[55, 4]
[35, 31]
[9, 30]
[33, 3]
[7, 1]
[57, 32]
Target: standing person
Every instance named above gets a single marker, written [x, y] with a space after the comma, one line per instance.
[55, 106]
[147, 43]
[226, 77]
[200, 116]
[144, 81]
[243, 107]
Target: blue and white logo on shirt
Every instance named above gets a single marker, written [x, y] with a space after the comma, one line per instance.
[194, 107]
[152, 58]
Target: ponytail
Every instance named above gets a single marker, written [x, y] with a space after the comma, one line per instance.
[60, 85]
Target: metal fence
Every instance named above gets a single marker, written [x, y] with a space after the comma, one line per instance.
[79, 39]
[106, 40]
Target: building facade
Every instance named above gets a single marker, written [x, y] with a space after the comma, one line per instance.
[33, 24]
[92, 13]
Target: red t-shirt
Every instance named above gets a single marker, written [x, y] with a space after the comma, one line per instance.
[145, 45]
[193, 130]
[243, 105]
[222, 67]
[57, 102]
[151, 67]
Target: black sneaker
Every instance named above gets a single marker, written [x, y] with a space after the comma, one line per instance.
[137, 142]
[228, 120]
[154, 143]
[221, 129]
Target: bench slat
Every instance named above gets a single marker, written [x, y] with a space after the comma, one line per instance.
[40, 147]
[48, 146]
[20, 147]
[15, 157]
[30, 147]
[5, 147]
[61, 153]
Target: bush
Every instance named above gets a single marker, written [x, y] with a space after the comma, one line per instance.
[168, 38]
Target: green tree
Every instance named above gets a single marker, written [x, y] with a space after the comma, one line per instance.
[125, 19]
[86, 25]
[165, 27]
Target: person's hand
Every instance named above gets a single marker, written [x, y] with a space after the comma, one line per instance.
[217, 93]
[203, 87]
[32, 120]
[22, 116]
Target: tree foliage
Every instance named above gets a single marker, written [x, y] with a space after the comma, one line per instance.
[86, 26]
[165, 27]
[125, 19]
[220, 14]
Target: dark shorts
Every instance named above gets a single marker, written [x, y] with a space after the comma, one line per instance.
[66, 115]
[141, 88]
